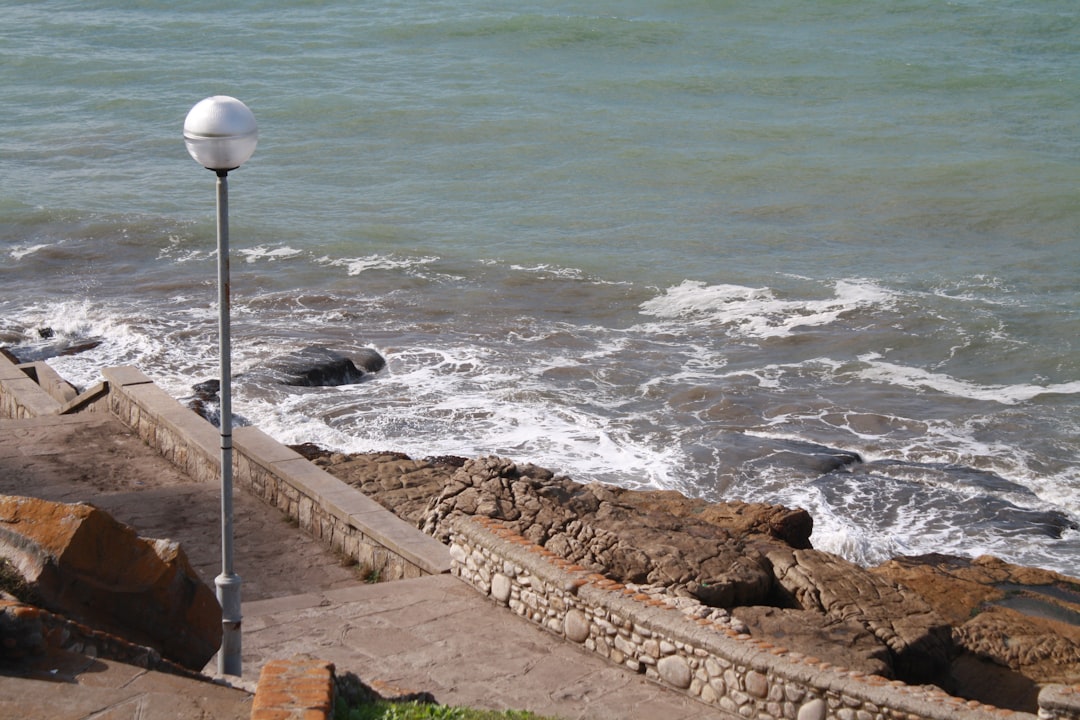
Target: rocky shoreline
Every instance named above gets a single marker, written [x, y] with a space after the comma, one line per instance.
[980, 628]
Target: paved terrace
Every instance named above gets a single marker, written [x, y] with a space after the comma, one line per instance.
[430, 634]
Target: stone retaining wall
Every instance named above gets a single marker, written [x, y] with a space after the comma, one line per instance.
[337, 514]
[681, 646]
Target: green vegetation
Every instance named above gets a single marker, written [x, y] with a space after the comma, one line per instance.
[386, 710]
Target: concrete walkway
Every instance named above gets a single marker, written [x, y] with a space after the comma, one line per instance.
[436, 634]
[433, 634]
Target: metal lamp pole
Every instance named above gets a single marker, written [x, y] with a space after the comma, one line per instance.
[220, 133]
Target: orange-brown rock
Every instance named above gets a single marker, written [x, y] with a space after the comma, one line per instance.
[1020, 618]
[793, 526]
[78, 561]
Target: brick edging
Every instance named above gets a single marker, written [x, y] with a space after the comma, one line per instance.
[300, 688]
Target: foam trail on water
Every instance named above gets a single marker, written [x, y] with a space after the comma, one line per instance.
[881, 371]
[758, 312]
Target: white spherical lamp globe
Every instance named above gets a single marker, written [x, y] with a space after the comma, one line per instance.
[220, 133]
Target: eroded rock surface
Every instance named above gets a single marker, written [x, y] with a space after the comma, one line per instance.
[1021, 618]
[917, 637]
[77, 561]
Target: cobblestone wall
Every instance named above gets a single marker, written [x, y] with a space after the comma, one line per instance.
[696, 649]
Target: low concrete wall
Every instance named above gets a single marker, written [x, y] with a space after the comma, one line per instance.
[34, 389]
[335, 513]
[705, 658]
[20, 394]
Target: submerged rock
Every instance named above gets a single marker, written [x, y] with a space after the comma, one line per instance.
[50, 345]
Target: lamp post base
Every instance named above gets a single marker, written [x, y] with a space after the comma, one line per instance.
[228, 593]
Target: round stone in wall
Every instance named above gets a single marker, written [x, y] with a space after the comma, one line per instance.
[676, 671]
[500, 588]
[813, 710]
[576, 626]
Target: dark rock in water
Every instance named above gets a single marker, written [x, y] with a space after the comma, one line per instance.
[52, 347]
[207, 388]
[322, 367]
[205, 400]
[745, 453]
[804, 457]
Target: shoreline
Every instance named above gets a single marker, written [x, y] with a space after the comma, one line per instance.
[140, 385]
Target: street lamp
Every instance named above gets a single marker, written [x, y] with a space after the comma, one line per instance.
[220, 133]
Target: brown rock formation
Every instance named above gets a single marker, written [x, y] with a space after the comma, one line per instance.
[608, 529]
[1019, 625]
[965, 625]
[725, 555]
[918, 638]
[77, 561]
[844, 643]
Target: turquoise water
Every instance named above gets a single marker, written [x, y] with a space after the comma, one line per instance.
[697, 245]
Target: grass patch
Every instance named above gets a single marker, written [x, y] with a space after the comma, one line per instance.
[358, 701]
[412, 710]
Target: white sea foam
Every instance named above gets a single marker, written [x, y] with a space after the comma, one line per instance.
[878, 370]
[21, 251]
[758, 312]
[356, 266]
[463, 400]
[869, 528]
[73, 322]
[261, 252]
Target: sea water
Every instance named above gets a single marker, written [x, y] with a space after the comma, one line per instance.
[821, 254]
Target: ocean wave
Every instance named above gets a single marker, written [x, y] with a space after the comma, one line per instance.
[878, 370]
[261, 252]
[21, 251]
[356, 266]
[759, 312]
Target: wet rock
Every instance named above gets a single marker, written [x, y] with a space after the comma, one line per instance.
[322, 367]
[77, 561]
[205, 400]
[50, 345]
